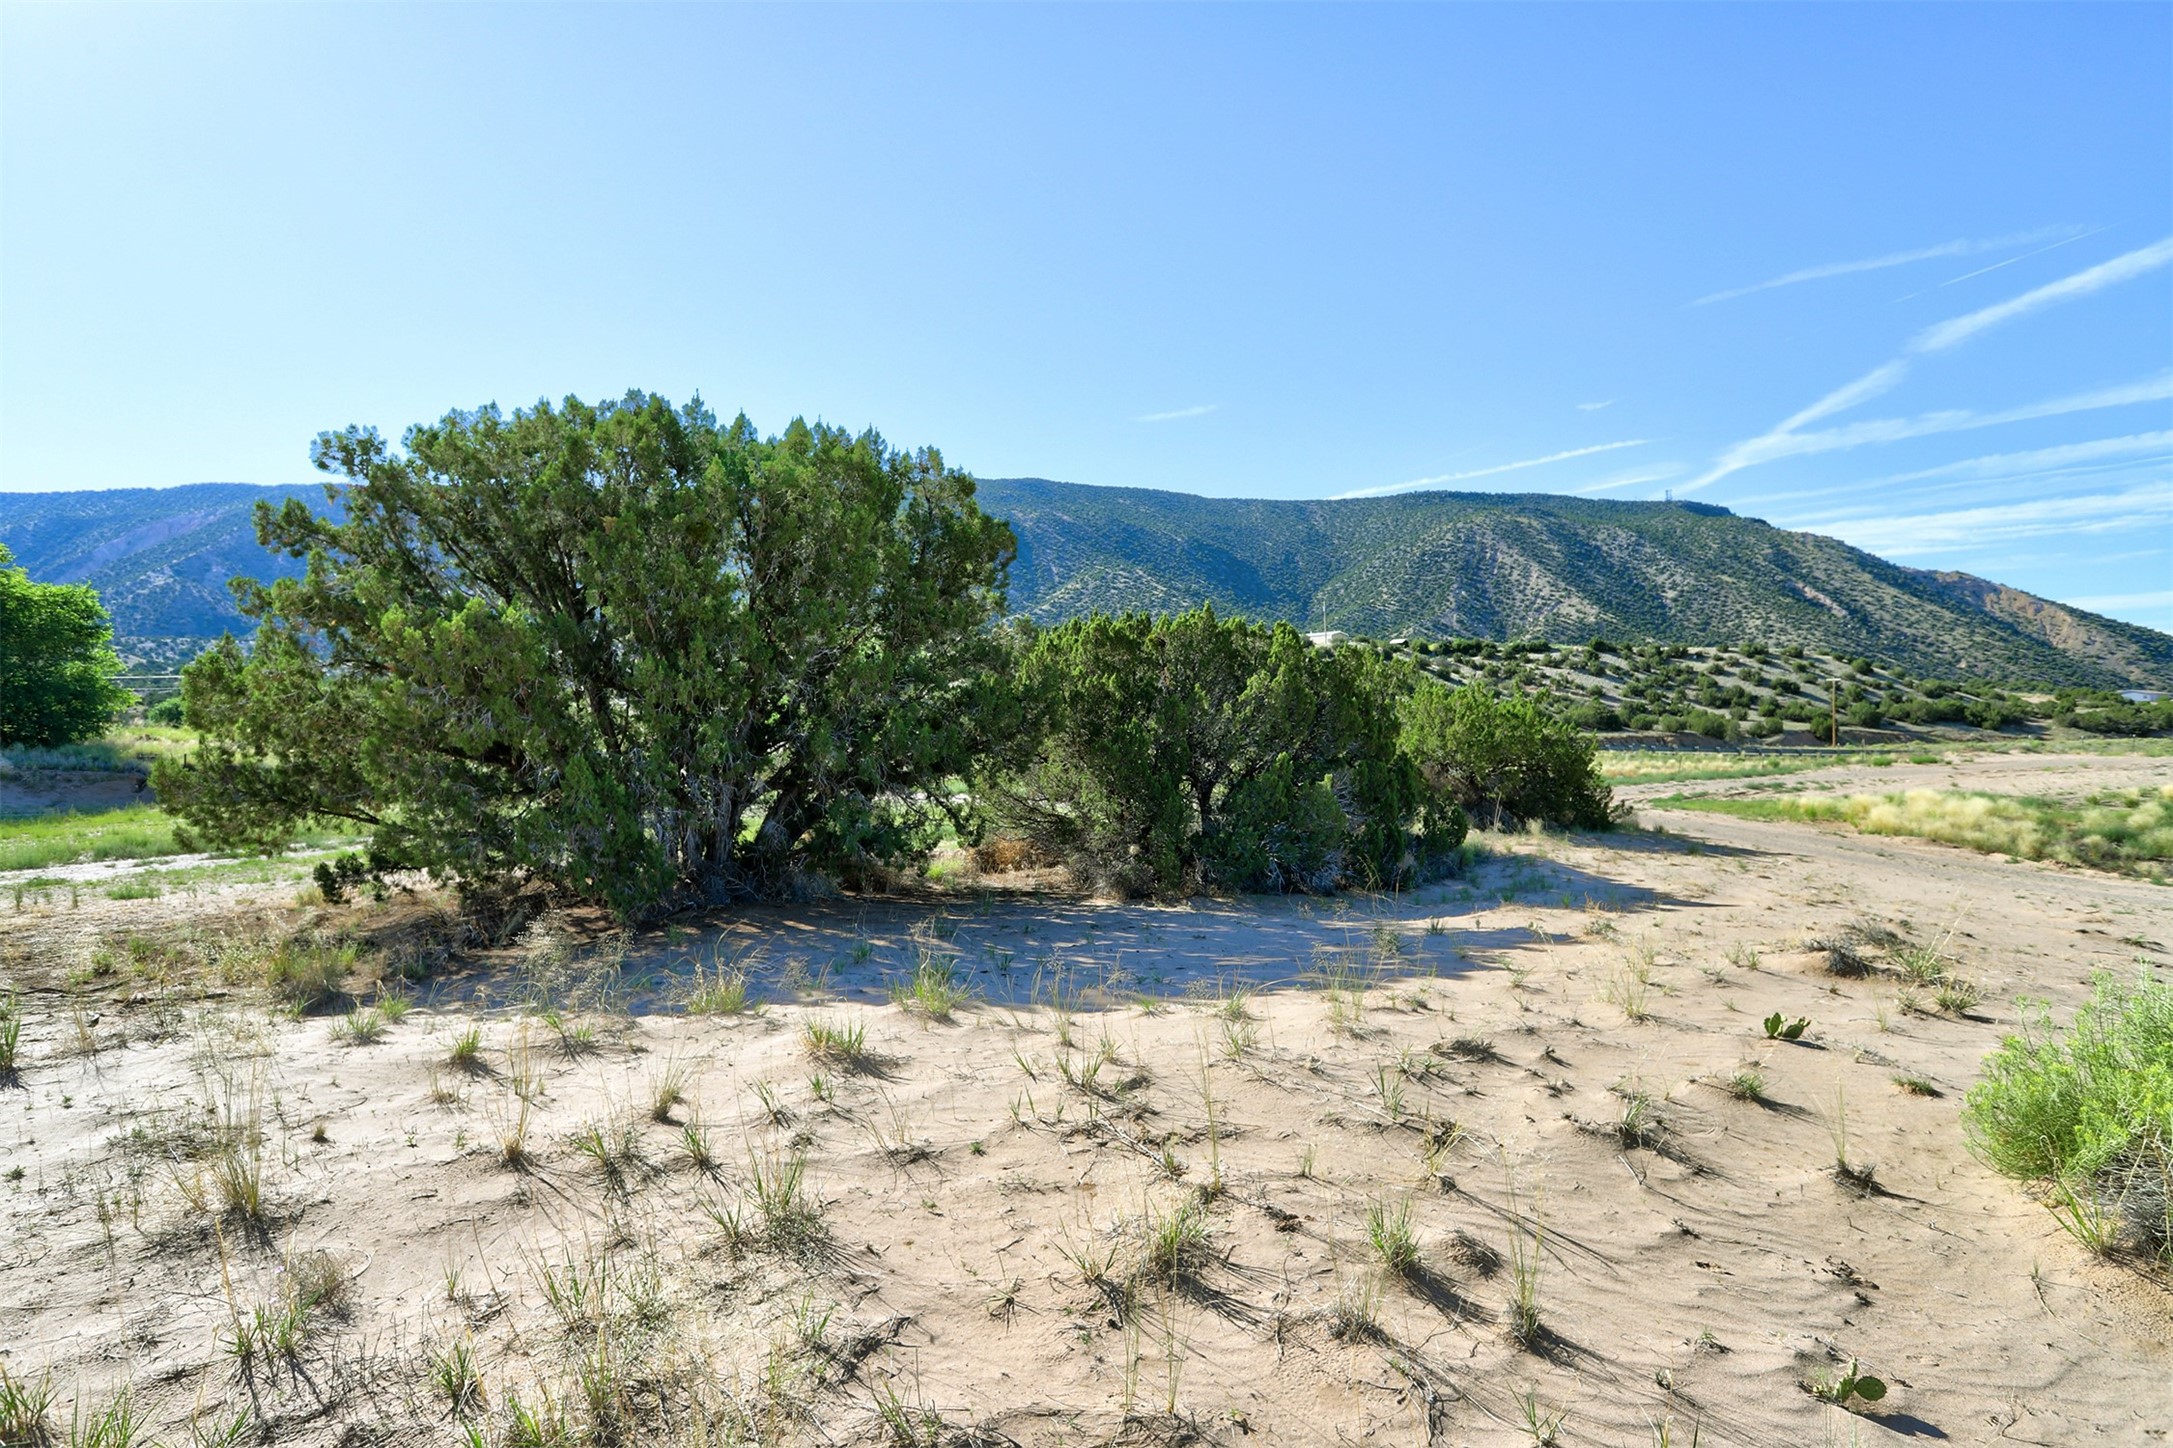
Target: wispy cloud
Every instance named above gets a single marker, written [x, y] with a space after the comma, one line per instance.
[1892, 259]
[1595, 406]
[1785, 441]
[2148, 505]
[1441, 478]
[2107, 273]
[1171, 416]
[2034, 251]
[2095, 455]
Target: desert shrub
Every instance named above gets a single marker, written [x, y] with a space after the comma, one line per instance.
[618, 650]
[1163, 755]
[2089, 1110]
[1711, 725]
[1596, 717]
[2118, 717]
[1505, 759]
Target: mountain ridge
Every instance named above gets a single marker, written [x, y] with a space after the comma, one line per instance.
[1434, 564]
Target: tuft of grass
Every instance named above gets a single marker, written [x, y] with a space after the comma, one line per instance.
[694, 1142]
[511, 1127]
[1920, 964]
[1746, 1083]
[467, 1052]
[1629, 987]
[667, 1089]
[717, 993]
[362, 1026]
[903, 1424]
[305, 974]
[1527, 1251]
[1957, 996]
[457, 1378]
[615, 1148]
[1356, 1315]
[933, 991]
[116, 1425]
[1916, 1085]
[791, 1218]
[25, 1409]
[1857, 1176]
[11, 1036]
[1394, 1242]
[1543, 1423]
[1175, 1249]
[843, 1045]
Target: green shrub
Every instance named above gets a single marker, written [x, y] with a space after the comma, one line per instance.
[56, 661]
[1164, 755]
[1505, 759]
[1711, 725]
[1596, 717]
[623, 651]
[2089, 1111]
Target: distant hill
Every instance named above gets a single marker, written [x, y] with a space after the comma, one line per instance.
[1500, 566]
[1436, 565]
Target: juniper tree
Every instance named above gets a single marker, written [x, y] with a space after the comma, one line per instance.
[619, 648]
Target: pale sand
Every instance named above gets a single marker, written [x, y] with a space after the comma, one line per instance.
[1696, 1280]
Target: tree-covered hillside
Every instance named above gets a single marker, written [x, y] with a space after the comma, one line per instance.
[1503, 566]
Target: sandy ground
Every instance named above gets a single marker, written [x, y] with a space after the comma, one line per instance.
[985, 1190]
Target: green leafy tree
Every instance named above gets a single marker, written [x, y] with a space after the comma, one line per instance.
[56, 661]
[1504, 758]
[1164, 755]
[618, 649]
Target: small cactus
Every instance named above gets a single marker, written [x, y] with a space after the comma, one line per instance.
[1851, 1384]
[1779, 1028]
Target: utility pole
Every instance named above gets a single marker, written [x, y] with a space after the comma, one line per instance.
[1833, 706]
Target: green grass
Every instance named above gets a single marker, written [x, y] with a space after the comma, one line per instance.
[124, 751]
[2125, 830]
[1666, 766]
[2089, 1113]
[138, 832]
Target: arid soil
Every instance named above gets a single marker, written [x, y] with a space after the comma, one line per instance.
[1123, 1193]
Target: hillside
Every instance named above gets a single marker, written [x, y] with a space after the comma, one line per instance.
[1427, 564]
[1498, 566]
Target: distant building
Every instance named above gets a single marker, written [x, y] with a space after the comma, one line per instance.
[1329, 639]
[2141, 696]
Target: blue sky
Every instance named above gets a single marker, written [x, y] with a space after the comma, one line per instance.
[1902, 275]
